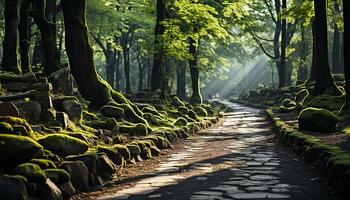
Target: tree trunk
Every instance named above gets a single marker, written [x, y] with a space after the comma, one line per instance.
[126, 57]
[117, 71]
[48, 38]
[282, 70]
[276, 42]
[302, 70]
[181, 81]
[80, 54]
[346, 8]
[24, 32]
[10, 47]
[110, 64]
[324, 79]
[196, 97]
[158, 59]
[141, 75]
[336, 65]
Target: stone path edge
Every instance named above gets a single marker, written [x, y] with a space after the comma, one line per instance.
[332, 162]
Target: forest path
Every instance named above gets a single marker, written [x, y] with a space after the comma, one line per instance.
[236, 159]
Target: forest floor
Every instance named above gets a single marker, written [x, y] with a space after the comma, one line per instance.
[236, 159]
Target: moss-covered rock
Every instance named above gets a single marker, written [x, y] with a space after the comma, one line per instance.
[12, 188]
[160, 141]
[317, 120]
[180, 122]
[31, 171]
[201, 111]
[134, 150]
[112, 154]
[177, 102]
[43, 163]
[17, 149]
[112, 111]
[193, 115]
[64, 145]
[134, 129]
[288, 103]
[119, 139]
[79, 174]
[130, 113]
[6, 128]
[89, 116]
[106, 167]
[301, 95]
[58, 176]
[124, 151]
[13, 121]
[109, 124]
[183, 110]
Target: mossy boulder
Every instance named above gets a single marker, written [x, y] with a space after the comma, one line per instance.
[112, 154]
[124, 151]
[6, 128]
[134, 150]
[180, 122]
[177, 102]
[160, 141]
[12, 188]
[106, 167]
[112, 111]
[108, 124]
[64, 145]
[31, 171]
[134, 129]
[79, 174]
[301, 95]
[150, 109]
[317, 120]
[183, 110]
[18, 149]
[130, 113]
[13, 121]
[288, 103]
[58, 176]
[43, 163]
[193, 115]
[201, 111]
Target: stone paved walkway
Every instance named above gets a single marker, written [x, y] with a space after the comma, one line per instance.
[237, 159]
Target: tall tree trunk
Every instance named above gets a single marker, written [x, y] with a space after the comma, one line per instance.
[324, 79]
[158, 59]
[196, 97]
[282, 71]
[126, 57]
[80, 54]
[302, 70]
[181, 81]
[117, 71]
[346, 8]
[10, 47]
[48, 38]
[110, 64]
[276, 42]
[24, 32]
[141, 74]
[336, 66]
[312, 77]
[149, 76]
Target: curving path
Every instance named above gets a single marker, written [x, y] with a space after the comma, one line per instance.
[237, 159]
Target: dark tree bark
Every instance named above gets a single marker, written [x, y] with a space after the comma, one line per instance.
[181, 81]
[141, 74]
[80, 54]
[336, 65]
[302, 69]
[346, 8]
[324, 80]
[117, 71]
[48, 38]
[10, 47]
[24, 32]
[126, 56]
[282, 68]
[111, 63]
[158, 59]
[276, 43]
[196, 97]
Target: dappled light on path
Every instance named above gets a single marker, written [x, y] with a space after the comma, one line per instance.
[237, 159]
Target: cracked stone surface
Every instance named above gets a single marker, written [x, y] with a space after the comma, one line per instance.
[236, 159]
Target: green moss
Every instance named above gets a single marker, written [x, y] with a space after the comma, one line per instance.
[160, 141]
[177, 102]
[152, 110]
[193, 115]
[328, 102]
[183, 110]
[16, 149]
[119, 139]
[201, 111]
[130, 113]
[89, 116]
[134, 150]
[180, 122]
[112, 154]
[31, 171]
[108, 124]
[5, 127]
[112, 111]
[43, 163]
[317, 120]
[13, 121]
[134, 130]
[58, 176]
[288, 103]
[64, 145]
[123, 150]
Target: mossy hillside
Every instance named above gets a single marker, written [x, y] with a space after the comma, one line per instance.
[63, 145]
[317, 120]
[13, 121]
[16, 149]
